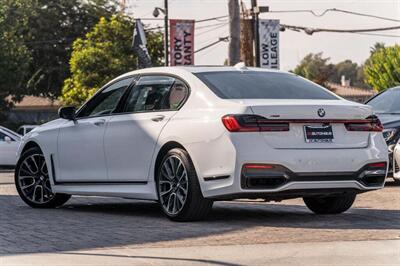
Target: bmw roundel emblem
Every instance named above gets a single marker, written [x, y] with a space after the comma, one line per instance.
[321, 112]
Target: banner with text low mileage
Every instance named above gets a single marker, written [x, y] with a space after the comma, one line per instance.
[269, 43]
[181, 42]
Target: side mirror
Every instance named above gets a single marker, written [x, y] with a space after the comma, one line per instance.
[67, 112]
[7, 139]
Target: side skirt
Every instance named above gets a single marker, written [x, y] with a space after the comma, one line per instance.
[144, 191]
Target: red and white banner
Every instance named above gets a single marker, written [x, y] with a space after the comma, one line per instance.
[181, 42]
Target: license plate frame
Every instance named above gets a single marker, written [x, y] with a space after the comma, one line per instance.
[318, 134]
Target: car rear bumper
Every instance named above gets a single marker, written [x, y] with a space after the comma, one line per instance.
[293, 189]
[305, 170]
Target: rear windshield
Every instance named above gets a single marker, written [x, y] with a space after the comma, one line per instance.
[262, 85]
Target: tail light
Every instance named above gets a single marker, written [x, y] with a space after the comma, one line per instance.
[372, 123]
[252, 123]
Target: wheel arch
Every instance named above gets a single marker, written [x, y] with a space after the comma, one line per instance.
[30, 144]
[163, 151]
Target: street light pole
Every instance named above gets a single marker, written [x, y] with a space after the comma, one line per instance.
[166, 33]
[255, 12]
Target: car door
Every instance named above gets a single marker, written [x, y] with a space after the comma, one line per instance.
[80, 142]
[131, 136]
[8, 148]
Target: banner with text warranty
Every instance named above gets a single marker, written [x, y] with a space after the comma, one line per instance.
[269, 43]
[181, 42]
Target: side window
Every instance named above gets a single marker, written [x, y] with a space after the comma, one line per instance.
[177, 95]
[106, 101]
[152, 93]
[2, 136]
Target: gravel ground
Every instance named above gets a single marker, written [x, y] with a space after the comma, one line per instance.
[104, 223]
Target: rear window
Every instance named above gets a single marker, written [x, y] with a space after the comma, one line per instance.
[262, 85]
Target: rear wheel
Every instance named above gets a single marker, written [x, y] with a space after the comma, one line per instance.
[33, 183]
[330, 205]
[178, 188]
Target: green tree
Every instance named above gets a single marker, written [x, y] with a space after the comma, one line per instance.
[104, 53]
[14, 58]
[351, 71]
[345, 68]
[36, 39]
[52, 27]
[382, 69]
[315, 68]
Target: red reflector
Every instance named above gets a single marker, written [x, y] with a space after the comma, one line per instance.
[377, 165]
[258, 166]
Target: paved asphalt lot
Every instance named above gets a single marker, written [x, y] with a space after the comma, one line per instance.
[107, 231]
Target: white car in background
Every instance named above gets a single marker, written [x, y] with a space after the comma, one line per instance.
[396, 162]
[9, 142]
[187, 136]
[23, 130]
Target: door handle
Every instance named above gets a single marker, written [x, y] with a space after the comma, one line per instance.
[158, 118]
[99, 122]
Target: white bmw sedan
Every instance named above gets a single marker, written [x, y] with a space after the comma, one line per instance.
[187, 136]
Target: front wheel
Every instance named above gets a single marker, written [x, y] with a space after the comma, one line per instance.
[33, 183]
[330, 205]
[178, 188]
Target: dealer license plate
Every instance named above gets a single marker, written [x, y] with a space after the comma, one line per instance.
[318, 134]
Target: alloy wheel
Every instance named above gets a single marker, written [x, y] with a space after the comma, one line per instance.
[33, 179]
[173, 185]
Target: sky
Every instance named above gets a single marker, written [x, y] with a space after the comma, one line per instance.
[293, 45]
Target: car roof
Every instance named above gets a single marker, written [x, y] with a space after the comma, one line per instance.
[184, 70]
[394, 88]
[199, 69]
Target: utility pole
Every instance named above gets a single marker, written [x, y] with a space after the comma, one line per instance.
[234, 32]
[255, 12]
[156, 13]
[166, 39]
[246, 37]
[122, 5]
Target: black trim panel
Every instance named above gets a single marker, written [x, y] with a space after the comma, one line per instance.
[102, 183]
[212, 178]
[289, 194]
[53, 171]
[280, 175]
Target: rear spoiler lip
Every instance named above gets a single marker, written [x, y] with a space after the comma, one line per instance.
[314, 121]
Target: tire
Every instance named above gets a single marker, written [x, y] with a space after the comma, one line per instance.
[330, 205]
[171, 186]
[31, 176]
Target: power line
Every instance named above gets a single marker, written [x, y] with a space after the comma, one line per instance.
[221, 39]
[208, 19]
[363, 14]
[217, 25]
[333, 10]
[213, 29]
[311, 31]
[377, 34]
[211, 25]
[197, 21]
